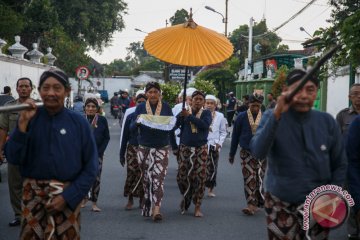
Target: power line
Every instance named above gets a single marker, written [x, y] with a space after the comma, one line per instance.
[284, 23]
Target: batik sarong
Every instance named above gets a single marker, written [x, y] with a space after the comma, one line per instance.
[37, 222]
[154, 163]
[192, 174]
[95, 189]
[253, 171]
[213, 158]
[133, 184]
[284, 221]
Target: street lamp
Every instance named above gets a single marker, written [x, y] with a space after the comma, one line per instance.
[303, 30]
[224, 18]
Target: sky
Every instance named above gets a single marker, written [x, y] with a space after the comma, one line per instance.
[150, 15]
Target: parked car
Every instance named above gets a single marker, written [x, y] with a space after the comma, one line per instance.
[104, 95]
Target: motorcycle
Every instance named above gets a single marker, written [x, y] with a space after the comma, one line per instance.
[115, 111]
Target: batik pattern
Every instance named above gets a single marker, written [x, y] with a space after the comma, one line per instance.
[213, 159]
[133, 184]
[95, 189]
[192, 174]
[253, 171]
[284, 221]
[154, 163]
[37, 223]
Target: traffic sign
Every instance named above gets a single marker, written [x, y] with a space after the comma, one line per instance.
[82, 72]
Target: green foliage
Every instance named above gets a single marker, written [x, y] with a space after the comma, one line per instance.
[11, 22]
[205, 86]
[136, 52]
[350, 26]
[345, 19]
[170, 92]
[91, 21]
[279, 83]
[70, 54]
[283, 48]
[269, 41]
[69, 27]
[233, 64]
[222, 78]
[179, 17]
[117, 67]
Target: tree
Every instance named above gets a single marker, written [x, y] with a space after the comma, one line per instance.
[136, 52]
[345, 19]
[170, 92]
[179, 17]
[91, 21]
[11, 22]
[117, 67]
[205, 86]
[222, 78]
[279, 83]
[69, 27]
[70, 54]
[233, 64]
[269, 41]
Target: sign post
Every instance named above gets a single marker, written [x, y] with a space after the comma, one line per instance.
[82, 73]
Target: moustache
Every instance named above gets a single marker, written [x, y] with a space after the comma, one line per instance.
[50, 99]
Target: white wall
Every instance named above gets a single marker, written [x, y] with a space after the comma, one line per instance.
[110, 84]
[11, 69]
[337, 94]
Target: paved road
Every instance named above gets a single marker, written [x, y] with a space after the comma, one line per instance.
[222, 219]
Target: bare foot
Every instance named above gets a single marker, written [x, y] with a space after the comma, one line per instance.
[211, 193]
[250, 210]
[130, 203]
[95, 208]
[198, 213]
[156, 214]
[83, 203]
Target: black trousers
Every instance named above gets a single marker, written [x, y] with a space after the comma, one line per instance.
[230, 116]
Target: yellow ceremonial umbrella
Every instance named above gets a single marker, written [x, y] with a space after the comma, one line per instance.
[188, 45]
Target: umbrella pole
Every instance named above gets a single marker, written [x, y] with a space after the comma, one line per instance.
[185, 82]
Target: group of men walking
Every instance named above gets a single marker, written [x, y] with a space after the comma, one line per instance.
[57, 155]
[148, 133]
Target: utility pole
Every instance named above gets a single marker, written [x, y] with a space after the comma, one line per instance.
[248, 60]
[226, 16]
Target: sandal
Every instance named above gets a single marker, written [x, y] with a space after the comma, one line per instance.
[95, 209]
[157, 217]
[248, 211]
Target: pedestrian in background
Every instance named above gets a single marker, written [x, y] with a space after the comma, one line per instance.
[271, 101]
[6, 96]
[304, 150]
[58, 160]
[79, 105]
[230, 107]
[7, 91]
[128, 154]
[8, 121]
[353, 153]
[100, 128]
[253, 169]
[344, 118]
[216, 138]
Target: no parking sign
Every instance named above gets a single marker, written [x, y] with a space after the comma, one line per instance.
[82, 72]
